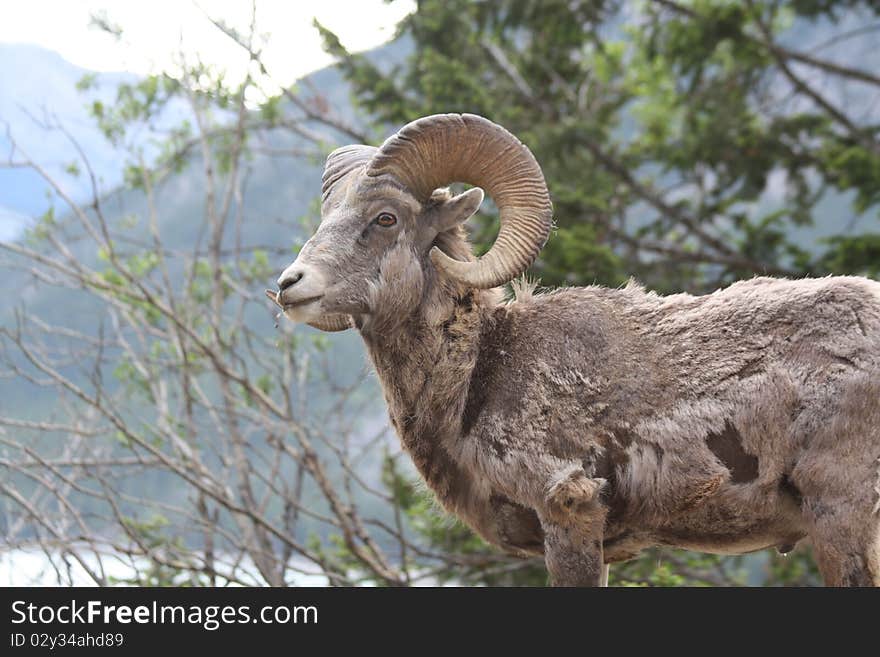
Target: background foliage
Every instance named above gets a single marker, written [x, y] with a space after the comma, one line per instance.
[686, 143]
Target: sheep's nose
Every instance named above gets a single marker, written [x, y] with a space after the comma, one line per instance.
[289, 279]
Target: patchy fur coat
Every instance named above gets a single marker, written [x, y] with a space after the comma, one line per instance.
[589, 423]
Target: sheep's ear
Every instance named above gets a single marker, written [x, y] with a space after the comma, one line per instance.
[457, 210]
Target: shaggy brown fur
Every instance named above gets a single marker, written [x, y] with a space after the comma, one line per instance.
[728, 423]
[590, 423]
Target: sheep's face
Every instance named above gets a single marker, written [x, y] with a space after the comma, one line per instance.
[370, 252]
[387, 235]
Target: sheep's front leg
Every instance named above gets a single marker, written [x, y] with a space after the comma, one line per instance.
[573, 519]
[573, 557]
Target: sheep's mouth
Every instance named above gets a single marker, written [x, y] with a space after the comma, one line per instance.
[302, 302]
[275, 296]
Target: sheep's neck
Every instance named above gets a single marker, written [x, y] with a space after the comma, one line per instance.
[425, 369]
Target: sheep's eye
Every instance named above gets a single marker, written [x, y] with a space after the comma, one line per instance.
[386, 219]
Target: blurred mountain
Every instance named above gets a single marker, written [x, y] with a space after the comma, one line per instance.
[38, 93]
[277, 192]
[38, 87]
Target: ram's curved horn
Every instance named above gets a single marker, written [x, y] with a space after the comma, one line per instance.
[445, 148]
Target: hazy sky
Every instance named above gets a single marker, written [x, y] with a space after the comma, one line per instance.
[153, 29]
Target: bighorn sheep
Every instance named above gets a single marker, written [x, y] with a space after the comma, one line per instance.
[589, 423]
